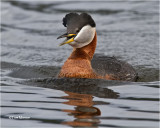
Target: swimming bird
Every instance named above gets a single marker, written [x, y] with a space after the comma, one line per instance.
[81, 35]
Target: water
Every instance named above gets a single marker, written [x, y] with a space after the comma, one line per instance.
[32, 96]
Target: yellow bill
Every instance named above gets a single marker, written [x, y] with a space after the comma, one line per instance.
[67, 42]
[69, 35]
[66, 35]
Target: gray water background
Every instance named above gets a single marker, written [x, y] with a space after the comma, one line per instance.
[128, 30]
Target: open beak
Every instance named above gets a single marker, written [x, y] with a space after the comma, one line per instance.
[70, 38]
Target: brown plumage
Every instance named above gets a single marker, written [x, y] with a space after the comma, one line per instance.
[78, 65]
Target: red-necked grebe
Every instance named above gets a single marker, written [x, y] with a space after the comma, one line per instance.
[81, 35]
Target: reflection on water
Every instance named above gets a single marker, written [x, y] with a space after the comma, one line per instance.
[96, 87]
[83, 112]
[94, 106]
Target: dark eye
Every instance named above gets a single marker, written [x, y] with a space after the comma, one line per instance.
[77, 31]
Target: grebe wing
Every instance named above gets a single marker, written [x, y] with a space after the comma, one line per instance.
[120, 70]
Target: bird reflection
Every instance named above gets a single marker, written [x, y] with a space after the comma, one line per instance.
[84, 112]
[80, 94]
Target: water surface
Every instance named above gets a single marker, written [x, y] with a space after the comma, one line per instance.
[31, 94]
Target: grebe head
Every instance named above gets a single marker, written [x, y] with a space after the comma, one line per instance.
[80, 29]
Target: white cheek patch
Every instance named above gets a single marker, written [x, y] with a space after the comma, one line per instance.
[84, 37]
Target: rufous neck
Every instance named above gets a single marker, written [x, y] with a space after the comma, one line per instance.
[91, 47]
[86, 51]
